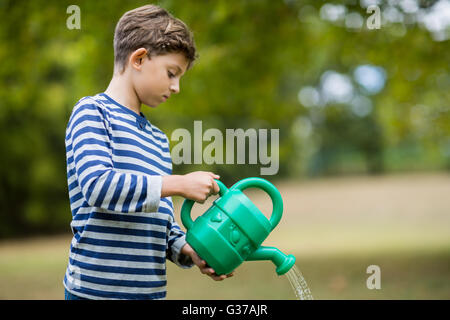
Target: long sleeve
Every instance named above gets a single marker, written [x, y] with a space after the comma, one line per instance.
[177, 239]
[90, 161]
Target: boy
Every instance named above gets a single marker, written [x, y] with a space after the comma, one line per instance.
[119, 169]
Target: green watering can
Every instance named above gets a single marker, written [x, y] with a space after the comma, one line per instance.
[233, 228]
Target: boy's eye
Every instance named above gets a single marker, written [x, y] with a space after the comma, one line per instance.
[170, 74]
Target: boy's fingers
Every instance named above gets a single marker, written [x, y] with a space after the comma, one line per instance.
[202, 264]
[216, 188]
[215, 176]
[221, 277]
[206, 270]
[210, 272]
[217, 277]
[199, 262]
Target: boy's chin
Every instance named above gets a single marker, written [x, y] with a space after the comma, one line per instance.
[152, 104]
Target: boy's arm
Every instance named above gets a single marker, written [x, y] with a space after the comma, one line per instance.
[88, 146]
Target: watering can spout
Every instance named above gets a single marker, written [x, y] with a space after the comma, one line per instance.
[282, 261]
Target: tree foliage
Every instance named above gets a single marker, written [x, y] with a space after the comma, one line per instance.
[254, 57]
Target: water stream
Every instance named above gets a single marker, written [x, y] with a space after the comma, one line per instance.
[298, 284]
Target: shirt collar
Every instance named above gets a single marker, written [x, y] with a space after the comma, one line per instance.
[141, 120]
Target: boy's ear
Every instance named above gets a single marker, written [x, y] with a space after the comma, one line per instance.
[137, 56]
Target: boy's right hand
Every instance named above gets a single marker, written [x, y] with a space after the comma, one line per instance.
[199, 185]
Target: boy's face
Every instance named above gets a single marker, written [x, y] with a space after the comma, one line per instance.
[155, 79]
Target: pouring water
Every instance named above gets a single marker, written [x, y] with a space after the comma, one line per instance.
[298, 284]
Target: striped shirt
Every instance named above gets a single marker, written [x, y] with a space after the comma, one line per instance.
[123, 230]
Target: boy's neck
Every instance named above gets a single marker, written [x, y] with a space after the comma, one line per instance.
[120, 90]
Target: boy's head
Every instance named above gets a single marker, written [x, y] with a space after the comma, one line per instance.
[154, 29]
[155, 49]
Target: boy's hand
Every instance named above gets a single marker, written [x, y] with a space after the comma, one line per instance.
[199, 185]
[201, 264]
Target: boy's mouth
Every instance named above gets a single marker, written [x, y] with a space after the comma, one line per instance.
[165, 97]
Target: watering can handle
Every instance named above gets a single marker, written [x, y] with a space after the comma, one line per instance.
[188, 203]
[273, 192]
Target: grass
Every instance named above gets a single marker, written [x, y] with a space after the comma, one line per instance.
[33, 268]
[336, 228]
[403, 276]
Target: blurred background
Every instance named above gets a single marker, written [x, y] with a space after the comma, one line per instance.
[363, 113]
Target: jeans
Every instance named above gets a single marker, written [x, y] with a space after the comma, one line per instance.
[70, 296]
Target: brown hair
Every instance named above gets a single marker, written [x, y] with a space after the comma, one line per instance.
[153, 28]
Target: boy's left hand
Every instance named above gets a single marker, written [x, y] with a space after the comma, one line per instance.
[201, 264]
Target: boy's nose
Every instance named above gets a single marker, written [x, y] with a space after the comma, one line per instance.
[175, 88]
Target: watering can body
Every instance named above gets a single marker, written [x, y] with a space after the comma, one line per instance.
[233, 228]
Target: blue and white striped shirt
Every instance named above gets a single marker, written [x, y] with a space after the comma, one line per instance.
[123, 230]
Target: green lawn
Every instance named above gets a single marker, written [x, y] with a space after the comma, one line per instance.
[34, 269]
[336, 228]
[403, 276]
